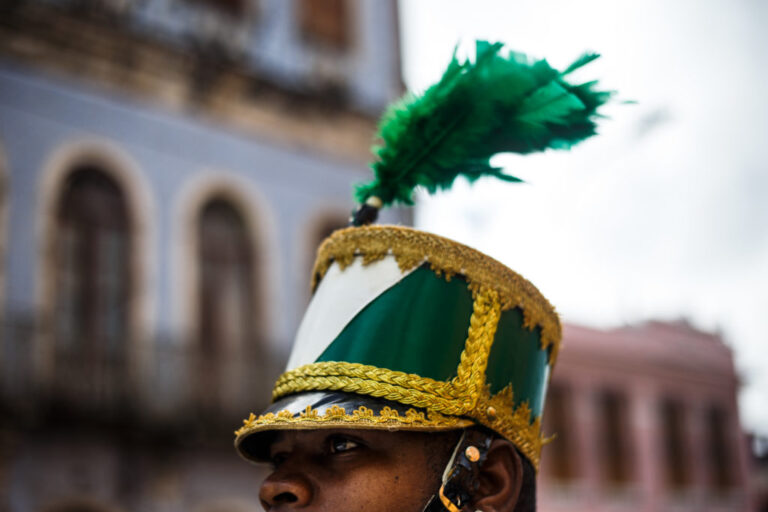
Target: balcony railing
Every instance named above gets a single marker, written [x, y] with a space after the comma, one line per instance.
[165, 383]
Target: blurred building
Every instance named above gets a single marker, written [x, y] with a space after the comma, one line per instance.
[759, 479]
[167, 168]
[645, 419]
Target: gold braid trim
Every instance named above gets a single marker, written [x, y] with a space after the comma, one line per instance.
[514, 424]
[445, 257]
[455, 398]
[349, 372]
[470, 375]
[360, 417]
[376, 389]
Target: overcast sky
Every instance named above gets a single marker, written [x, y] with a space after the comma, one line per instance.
[664, 215]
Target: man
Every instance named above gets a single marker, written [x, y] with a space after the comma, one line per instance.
[418, 375]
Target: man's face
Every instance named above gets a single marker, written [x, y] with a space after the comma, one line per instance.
[352, 470]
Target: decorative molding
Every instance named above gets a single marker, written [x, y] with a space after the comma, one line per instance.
[52, 40]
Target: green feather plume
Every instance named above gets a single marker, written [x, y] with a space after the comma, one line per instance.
[496, 104]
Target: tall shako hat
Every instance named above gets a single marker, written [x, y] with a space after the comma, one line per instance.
[411, 331]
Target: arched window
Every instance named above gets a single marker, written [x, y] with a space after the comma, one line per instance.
[325, 22]
[92, 247]
[318, 232]
[226, 275]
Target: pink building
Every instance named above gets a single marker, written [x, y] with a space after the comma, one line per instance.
[646, 420]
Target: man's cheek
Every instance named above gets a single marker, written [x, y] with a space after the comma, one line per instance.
[373, 491]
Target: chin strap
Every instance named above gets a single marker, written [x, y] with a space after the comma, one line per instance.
[460, 475]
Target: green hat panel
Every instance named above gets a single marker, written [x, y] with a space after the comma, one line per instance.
[417, 326]
[517, 358]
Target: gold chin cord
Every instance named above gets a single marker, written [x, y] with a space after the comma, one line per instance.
[446, 502]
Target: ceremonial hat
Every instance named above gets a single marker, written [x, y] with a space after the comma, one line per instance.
[407, 330]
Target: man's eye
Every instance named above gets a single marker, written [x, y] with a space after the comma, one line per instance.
[342, 444]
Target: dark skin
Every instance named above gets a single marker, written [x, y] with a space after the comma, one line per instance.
[376, 471]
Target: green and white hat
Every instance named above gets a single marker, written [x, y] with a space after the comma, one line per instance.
[411, 331]
[447, 336]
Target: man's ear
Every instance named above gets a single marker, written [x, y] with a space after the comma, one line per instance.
[500, 479]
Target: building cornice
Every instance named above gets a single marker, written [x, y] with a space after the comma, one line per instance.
[117, 59]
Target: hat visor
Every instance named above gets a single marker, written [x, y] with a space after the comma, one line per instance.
[333, 410]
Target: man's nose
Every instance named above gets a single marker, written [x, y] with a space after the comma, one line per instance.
[285, 490]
